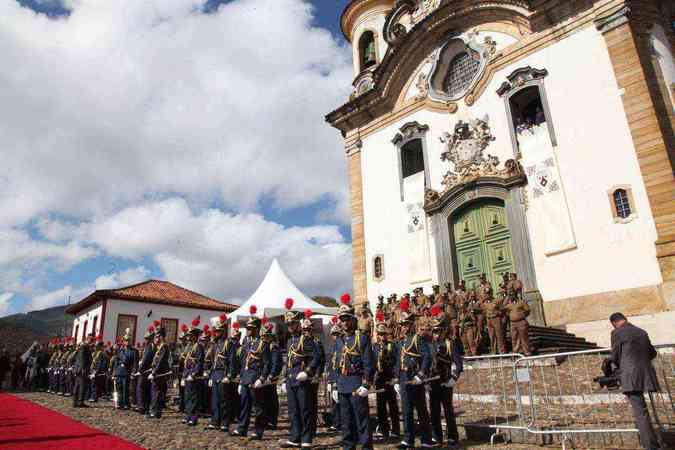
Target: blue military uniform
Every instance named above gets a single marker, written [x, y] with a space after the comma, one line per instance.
[356, 369]
[99, 367]
[216, 375]
[143, 393]
[303, 356]
[194, 366]
[388, 417]
[447, 365]
[122, 367]
[160, 371]
[270, 390]
[81, 367]
[332, 375]
[315, 383]
[414, 365]
[256, 364]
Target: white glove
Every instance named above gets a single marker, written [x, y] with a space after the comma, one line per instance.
[137, 374]
[91, 377]
[334, 394]
[362, 391]
[427, 388]
[329, 386]
[450, 383]
[176, 383]
[416, 380]
[205, 374]
[210, 383]
[182, 382]
[283, 388]
[225, 380]
[189, 378]
[257, 384]
[240, 389]
[397, 389]
[302, 376]
[151, 376]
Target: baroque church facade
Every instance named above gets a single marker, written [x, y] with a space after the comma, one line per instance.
[525, 136]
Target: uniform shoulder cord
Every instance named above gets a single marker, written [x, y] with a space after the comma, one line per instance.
[408, 351]
[93, 360]
[296, 352]
[254, 354]
[154, 360]
[354, 350]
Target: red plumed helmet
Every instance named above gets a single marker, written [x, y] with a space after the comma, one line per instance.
[405, 304]
[184, 328]
[253, 309]
[333, 320]
[435, 310]
[345, 299]
[195, 322]
[206, 328]
[151, 329]
[99, 338]
[379, 316]
[108, 344]
[156, 323]
[288, 304]
[308, 313]
[222, 318]
[236, 325]
[264, 320]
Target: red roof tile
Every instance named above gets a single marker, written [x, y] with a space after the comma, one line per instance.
[155, 291]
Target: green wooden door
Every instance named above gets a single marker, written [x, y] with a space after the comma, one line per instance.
[482, 243]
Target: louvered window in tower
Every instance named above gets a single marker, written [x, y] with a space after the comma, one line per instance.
[461, 72]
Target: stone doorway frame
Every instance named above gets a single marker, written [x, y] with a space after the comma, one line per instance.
[510, 192]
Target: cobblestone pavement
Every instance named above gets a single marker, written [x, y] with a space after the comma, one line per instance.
[168, 433]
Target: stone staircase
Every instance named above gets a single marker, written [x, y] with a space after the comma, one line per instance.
[554, 340]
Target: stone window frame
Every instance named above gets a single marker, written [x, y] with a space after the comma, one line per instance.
[442, 61]
[409, 132]
[631, 203]
[520, 79]
[379, 278]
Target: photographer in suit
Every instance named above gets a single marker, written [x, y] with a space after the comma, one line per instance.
[632, 353]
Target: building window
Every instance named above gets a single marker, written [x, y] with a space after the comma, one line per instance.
[125, 321]
[622, 203]
[378, 267]
[527, 109]
[84, 330]
[77, 330]
[461, 72]
[93, 326]
[412, 158]
[367, 53]
[171, 328]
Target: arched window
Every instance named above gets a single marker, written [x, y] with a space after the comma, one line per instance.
[367, 54]
[378, 268]
[461, 72]
[621, 203]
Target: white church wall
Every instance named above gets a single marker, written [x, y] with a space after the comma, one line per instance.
[664, 56]
[86, 318]
[594, 151]
[139, 309]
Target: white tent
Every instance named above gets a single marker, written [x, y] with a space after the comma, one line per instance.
[272, 293]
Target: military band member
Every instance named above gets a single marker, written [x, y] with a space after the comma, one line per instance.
[203, 380]
[194, 366]
[160, 370]
[143, 385]
[68, 368]
[302, 362]
[413, 366]
[332, 372]
[270, 393]
[217, 373]
[122, 370]
[447, 366]
[518, 310]
[494, 314]
[385, 355]
[355, 376]
[81, 366]
[133, 379]
[182, 352]
[231, 400]
[308, 330]
[98, 371]
[53, 367]
[256, 365]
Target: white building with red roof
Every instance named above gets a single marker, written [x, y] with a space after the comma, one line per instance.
[109, 312]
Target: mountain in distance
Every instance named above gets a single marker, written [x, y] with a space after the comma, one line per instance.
[19, 331]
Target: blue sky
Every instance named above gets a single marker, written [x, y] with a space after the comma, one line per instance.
[150, 141]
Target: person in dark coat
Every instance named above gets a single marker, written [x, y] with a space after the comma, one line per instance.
[159, 374]
[143, 384]
[194, 366]
[81, 367]
[632, 354]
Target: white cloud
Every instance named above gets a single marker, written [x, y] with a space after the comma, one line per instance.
[127, 99]
[49, 299]
[124, 278]
[225, 255]
[4, 303]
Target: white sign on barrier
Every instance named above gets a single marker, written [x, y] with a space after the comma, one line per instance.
[523, 375]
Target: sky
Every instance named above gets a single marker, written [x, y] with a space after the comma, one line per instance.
[174, 139]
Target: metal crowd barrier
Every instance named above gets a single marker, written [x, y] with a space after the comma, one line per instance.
[552, 398]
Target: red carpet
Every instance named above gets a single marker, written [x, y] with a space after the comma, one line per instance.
[27, 426]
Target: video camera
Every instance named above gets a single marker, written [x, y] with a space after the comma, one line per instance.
[610, 378]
